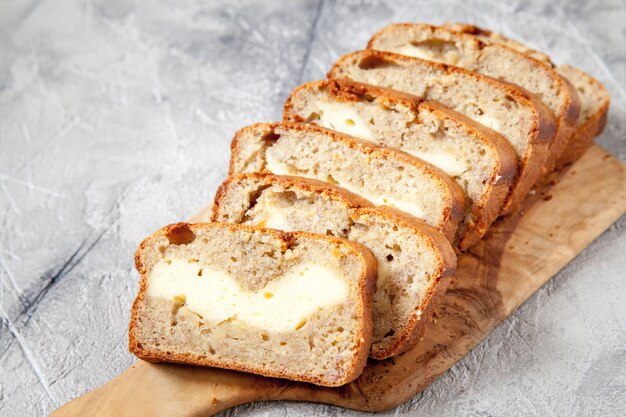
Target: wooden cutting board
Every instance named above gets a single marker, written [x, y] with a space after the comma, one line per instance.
[519, 254]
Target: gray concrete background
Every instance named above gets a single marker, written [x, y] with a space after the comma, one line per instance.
[115, 119]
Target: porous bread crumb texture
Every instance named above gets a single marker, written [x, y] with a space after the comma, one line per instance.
[313, 152]
[496, 60]
[411, 264]
[520, 117]
[443, 44]
[413, 268]
[420, 129]
[329, 348]
[592, 93]
[468, 94]
[595, 107]
[302, 211]
[594, 98]
[414, 130]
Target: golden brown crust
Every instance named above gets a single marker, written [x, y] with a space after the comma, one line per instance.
[497, 37]
[564, 123]
[584, 136]
[348, 90]
[590, 128]
[534, 162]
[366, 288]
[415, 328]
[541, 135]
[325, 189]
[455, 195]
[264, 129]
[503, 178]
[572, 114]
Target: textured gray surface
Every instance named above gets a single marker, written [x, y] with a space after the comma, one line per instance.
[115, 118]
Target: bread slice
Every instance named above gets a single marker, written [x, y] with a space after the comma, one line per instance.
[415, 262]
[594, 99]
[481, 161]
[522, 119]
[443, 44]
[287, 305]
[383, 176]
[594, 114]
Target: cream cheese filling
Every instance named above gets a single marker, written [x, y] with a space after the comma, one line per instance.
[275, 219]
[344, 118]
[488, 121]
[413, 208]
[447, 162]
[282, 305]
[416, 52]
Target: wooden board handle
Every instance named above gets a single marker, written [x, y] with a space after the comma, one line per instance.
[165, 390]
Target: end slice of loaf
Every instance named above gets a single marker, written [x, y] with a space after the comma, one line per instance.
[594, 114]
[509, 110]
[415, 261]
[481, 161]
[594, 99]
[286, 305]
[380, 175]
[444, 44]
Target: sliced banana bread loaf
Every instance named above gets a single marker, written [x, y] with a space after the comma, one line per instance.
[520, 117]
[415, 261]
[287, 305]
[481, 161]
[444, 44]
[382, 176]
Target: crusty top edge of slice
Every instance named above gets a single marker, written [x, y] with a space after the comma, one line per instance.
[545, 126]
[363, 145]
[454, 194]
[570, 107]
[598, 113]
[347, 90]
[350, 200]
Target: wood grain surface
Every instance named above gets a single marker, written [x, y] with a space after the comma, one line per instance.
[519, 254]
